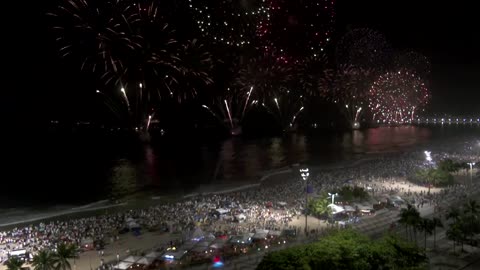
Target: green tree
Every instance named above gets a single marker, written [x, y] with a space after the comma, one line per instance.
[447, 165]
[410, 217]
[360, 193]
[426, 225]
[435, 177]
[64, 253]
[453, 214]
[436, 222]
[347, 249]
[44, 260]
[14, 263]
[454, 233]
[319, 206]
[472, 209]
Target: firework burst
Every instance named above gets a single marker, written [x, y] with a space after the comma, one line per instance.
[131, 46]
[228, 22]
[95, 33]
[296, 28]
[285, 106]
[265, 75]
[363, 48]
[309, 75]
[351, 91]
[396, 97]
[231, 108]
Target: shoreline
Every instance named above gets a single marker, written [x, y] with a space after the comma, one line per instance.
[64, 213]
[212, 189]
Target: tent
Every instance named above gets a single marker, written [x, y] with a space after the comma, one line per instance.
[242, 239]
[282, 203]
[133, 225]
[189, 245]
[175, 255]
[210, 236]
[241, 217]
[349, 208]
[218, 244]
[132, 259]
[336, 208]
[275, 233]
[222, 211]
[153, 255]
[122, 265]
[146, 261]
[199, 249]
[197, 234]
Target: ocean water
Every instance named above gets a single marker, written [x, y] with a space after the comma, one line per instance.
[58, 172]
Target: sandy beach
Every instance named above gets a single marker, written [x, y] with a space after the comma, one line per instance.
[191, 211]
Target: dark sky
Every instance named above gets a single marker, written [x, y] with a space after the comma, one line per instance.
[39, 86]
[445, 31]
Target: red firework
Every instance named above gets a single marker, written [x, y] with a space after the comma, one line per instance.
[295, 29]
[396, 97]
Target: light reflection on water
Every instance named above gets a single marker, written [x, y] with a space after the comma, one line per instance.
[88, 170]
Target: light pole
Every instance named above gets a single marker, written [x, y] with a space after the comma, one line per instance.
[428, 156]
[471, 171]
[304, 173]
[333, 196]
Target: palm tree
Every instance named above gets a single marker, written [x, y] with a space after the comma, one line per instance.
[455, 234]
[44, 260]
[472, 209]
[454, 214]
[14, 263]
[319, 206]
[404, 220]
[436, 222]
[428, 176]
[63, 254]
[410, 217]
[426, 225]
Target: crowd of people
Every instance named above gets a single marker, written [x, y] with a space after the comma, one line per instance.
[270, 206]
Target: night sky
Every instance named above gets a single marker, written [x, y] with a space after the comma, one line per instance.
[38, 87]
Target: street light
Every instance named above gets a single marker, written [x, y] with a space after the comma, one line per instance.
[428, 156]
[471, 171]
[333, 196]
[304, 173]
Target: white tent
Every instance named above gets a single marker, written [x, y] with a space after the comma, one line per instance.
[133, 225]
[197, 234]
[217, 245]
[349, 208]
[336, 208]
[241, 217]
[132, 259]
[282, 203]
[146, 261]
[122, 266]
[222, 211]
[275, 233]
[177, 255]
[210, 236]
